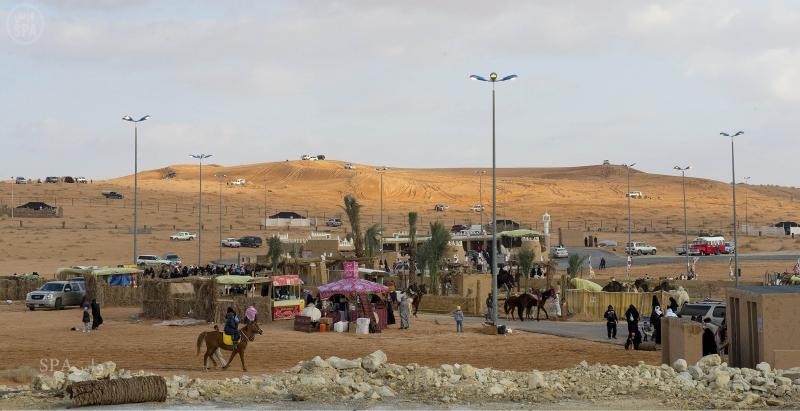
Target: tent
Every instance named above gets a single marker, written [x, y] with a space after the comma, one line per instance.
[117, 276]
[521, 233]
[349, 286]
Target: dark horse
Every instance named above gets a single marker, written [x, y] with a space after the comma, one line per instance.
[416, 292]
[505, 278]
[213, 340]
[526, 302]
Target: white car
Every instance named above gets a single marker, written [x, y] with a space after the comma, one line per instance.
[148, 259]
[81, 180]
[560, 252]
[635, 194]
[231, 242]
[477, 208]
[238, 182]
[183, 236]
[349, 166]
[21, 180]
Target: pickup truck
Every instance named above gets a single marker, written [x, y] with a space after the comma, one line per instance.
[56, 295]
[639, 248]
[112, 194]
[239, 182]
[231, 242]
[183, 236]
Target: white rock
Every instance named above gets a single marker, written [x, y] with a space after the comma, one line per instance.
[709, 361]
[373, 361]
[193, 393]
[721, 379]
[679, 365]
[496, 389]
[686, 379]
[783, 381]
[454, 379]
[385, 392]
[467, 371]
[359, 395]
[343, 364]
[312, 380]
[78, 376]
[764, 368]
[447, 369]
[696, 372]
[536, 380]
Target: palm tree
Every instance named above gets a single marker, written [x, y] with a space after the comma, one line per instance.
[525, 258]
[575, 264]
[274, 252]
[412, 247]
[353, 210]
[372, 239]
[434, 249]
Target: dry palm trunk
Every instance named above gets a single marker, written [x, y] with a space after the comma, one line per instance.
[119, 391]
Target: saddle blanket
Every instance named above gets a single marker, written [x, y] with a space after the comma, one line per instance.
[227, 339]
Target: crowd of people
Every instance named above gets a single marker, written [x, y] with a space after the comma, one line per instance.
[178, 271]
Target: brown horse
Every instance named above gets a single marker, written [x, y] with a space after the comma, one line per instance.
[213, 340]
[416, 293]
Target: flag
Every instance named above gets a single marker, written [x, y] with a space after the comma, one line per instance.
[730, 266]
[630, 262]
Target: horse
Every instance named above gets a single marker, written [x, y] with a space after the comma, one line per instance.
[525, 302]
[416, 293]
[213, 340]
[540, 306]
[509, 305]
[614, 286]
[504, 278]
[641, 284]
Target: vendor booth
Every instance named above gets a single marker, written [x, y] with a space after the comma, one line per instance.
[352, 297]
[287, 297]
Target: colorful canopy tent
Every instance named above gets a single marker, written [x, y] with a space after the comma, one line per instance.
[117, 276]
[281, 280]
[587, 285]
[233, 279]
[521, 233]
[348, 286]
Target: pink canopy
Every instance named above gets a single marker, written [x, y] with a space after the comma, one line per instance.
[351, 286]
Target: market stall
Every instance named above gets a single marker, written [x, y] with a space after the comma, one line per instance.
[352, 297]
[287, 297]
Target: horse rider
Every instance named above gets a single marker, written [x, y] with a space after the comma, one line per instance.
[232, 326]
[250, 314]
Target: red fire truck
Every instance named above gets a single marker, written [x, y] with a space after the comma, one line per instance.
[707, 246]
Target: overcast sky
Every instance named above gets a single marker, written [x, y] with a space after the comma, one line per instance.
[385, 83]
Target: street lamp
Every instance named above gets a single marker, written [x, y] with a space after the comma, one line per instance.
[629, 247]
[13, 183]
[733, 186]
[200, 157]
[135, 181]
[380, 171]
[493, 79]
[265, 204]
[481, 173]
[221, 178]
[746, 223]
[685, 224]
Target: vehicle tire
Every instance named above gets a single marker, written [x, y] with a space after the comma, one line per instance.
[57, 305]
[653, 253]
[30, 307]
[716, 252]
[638, 252]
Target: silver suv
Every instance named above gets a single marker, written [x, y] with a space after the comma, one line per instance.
[700, 310]
[56, 295]
[639, 248]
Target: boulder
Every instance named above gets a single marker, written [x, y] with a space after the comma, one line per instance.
[312, 381]
[374, 361]
[467, 371]
[696, 372]
[343, 364]
[78, 376]
[686, 379]
[709, 361]
[721, 379]
[385, 392]
[496, 389]
[536, 380]
[680, 365]
[764, 367]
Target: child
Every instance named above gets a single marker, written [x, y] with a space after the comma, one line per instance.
[86, 319]
[459, 317]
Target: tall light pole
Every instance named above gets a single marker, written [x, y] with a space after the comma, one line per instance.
[135, 182]
[746, 223]
[629, 246]
[221, 178]
[265, 204]
[13, 183]
[685, 223]
[481, 173]
[733, 186]
[380, 171]
[493, 79]
[200, 157]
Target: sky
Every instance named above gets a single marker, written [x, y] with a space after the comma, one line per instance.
[386, 83]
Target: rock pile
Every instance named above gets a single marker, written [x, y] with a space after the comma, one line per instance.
[707, 384]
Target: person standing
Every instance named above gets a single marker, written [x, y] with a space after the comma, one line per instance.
[602, 263]
[405, 310]
[632, 317]
[86, 319]
[489, 315]
[611, 322]
[459, 317]
[655, 320]
[97, 319]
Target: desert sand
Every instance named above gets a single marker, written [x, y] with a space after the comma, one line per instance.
[97, 231]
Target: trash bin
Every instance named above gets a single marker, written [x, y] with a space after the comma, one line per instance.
[362, 326]
[340, 326]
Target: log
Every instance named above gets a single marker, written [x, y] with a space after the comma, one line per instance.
[119, 391]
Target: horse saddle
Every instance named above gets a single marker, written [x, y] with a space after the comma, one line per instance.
[227, 339]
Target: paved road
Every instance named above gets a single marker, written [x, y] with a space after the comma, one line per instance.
[615, 260]
[591, 331]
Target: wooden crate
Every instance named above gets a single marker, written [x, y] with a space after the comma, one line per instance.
[303, 323]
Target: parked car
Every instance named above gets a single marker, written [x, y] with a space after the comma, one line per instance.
[238, 182]
[173, 258]
[681, 249]
[51, 180]
[635, 194]
[112, 194]
[349, 166]
[250, 241]
[607, 243]
[56, 295]
[334, 222]
[560, 252]
[320, 156]
[68, 179]
[149, 259]
[183, 236]
[457, 228]
[639, 248]
[305, 157]
[711, 309]
[81, 180]
[476, 208]
[441, 207]
[231, 242]
[21, 180]
[730, 247]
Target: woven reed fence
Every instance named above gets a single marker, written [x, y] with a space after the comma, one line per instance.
[590, 306]
[16, 289]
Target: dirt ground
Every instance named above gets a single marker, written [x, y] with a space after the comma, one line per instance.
[42, 340]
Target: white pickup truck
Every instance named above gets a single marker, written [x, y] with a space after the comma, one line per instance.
[231, 242]
[183, 236]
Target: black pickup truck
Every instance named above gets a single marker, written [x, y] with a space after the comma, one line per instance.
[112, 194]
